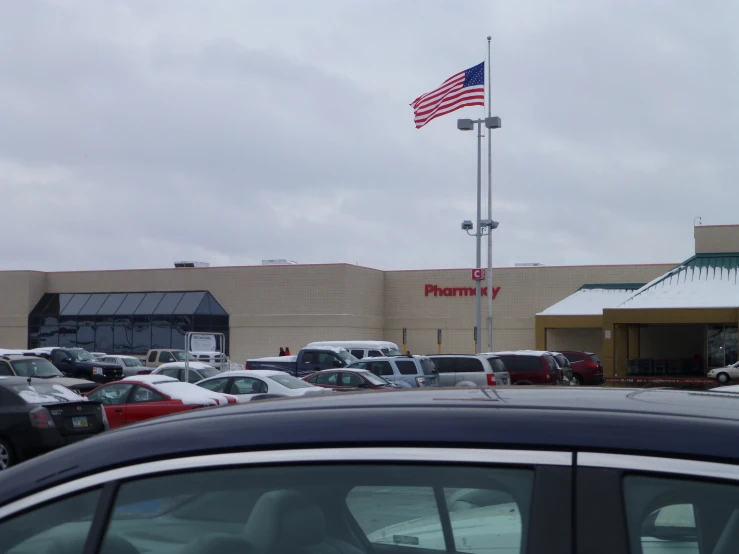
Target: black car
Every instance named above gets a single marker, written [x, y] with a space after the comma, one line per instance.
[33, 365]
[515, 470]
[78, 363]
[38, 416]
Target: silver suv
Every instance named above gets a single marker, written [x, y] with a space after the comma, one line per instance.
[405, 371]
[470, 370]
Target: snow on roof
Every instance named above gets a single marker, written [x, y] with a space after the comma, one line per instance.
[703, 281]
[276, 359]
[354, 344]
[591, 299]
[185, 392]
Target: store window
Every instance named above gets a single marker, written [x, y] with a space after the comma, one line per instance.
[124, 323]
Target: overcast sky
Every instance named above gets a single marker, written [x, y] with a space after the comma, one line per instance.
[135, 133]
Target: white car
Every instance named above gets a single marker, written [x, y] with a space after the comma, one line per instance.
[131, 364]
[197, 371]
[725, 374]
[254, 384]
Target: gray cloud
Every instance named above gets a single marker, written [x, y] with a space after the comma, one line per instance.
[137, 133]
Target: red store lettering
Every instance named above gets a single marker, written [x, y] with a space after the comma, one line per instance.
[436, 290]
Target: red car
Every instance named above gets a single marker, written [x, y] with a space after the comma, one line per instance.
[348, 380]
[146, 396]
[530, 367]
[586, 367]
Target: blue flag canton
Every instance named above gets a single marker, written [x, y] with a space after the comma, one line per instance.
[474, 75]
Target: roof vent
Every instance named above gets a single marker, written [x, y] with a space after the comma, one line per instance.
[278, 262]
[191, 264]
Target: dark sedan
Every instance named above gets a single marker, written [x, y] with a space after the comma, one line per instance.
[347, 380]
[38, 416]
[464, 470]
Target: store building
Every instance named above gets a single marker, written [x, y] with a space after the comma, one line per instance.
[604, 309]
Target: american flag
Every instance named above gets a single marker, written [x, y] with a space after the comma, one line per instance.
[466, 88]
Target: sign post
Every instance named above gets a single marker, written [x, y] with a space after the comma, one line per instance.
[438, 339]
[474, 335]
[405, 340]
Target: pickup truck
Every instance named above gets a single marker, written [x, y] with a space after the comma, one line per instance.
[80, 364]
[307, 361]
[157, 357]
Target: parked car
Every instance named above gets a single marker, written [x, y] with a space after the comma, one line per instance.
[158, 356]
[725, 374]
[347, 380]
[39, 415]
[566, 376]
[470, 370]
[362, 348]
[41, 368]
[530, 367]
[586, 367]
[79, 363]
[407, 372]
[306, 362]
[622, 470]
[143, 397]
[131, 365]
[197, 371]
[259, 385]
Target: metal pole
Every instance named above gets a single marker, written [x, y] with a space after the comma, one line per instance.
[478, 235]
[490, 214]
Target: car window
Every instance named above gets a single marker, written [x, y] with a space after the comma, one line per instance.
[326, 358]
[153, 356]
[215, 385]
[288, 381]
[132, 362]
[406, 367]
[310, 357]
[562, 361]
[358, 353]
[360, 365]
[382, 368]
[109, 360]
[171, 372]
[444, 365]
[166, 357]
[551, 362]
[194, 376]
[575, 357]
[5, 369]
[375, 354]
[248, 385]
[497, 365]
[349, 379]
[329, 378]
[668, 516]
[469, 365]
[60, 526]
[59, 355]
[111, 394]
[292, 509]
[593, 358]
[509, 362]
[528, 363]
[428, 366]
[143, 394]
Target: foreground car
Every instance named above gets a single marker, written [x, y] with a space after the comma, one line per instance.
[37, 416]
[415, 472]
[259, 384]
[146, 396]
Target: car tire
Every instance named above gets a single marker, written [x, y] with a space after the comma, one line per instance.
[578, 379]
[7, 458]
[723, 378]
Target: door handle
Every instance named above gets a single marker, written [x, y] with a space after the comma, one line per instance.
[119, 410]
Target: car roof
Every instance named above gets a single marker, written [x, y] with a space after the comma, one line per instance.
[688, 424]
[247, 373]
[522, 353]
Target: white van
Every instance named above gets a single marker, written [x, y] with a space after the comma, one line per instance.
[362, 348]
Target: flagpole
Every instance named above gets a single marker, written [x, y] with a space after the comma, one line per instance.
[490, 214]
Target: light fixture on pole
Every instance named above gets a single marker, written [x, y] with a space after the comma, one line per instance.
[469, 125]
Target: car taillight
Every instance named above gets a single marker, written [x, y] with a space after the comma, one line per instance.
[591, 365]
[246, 366]
[231, 400]
[41, 418]
[143, 372]
[421, 381]
[491, 379]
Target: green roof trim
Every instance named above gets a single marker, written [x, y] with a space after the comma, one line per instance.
[612, 286]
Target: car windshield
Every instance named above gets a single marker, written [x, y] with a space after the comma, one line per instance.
[35, 368]
[374, 379]
[595, 359]
[348, 358]
[45, 393]
[82, 356]
[208, 372]
[290, 382]
[132, 362]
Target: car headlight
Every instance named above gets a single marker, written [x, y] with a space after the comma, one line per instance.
[97, 371]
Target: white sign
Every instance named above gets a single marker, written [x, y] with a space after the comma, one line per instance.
[478, 274]
[608, 333]
[202, 343]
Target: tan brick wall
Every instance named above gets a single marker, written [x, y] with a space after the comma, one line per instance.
[587, 340]
[710, 239]
[273, 306]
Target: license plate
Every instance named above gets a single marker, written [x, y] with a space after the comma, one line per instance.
[78, 422]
